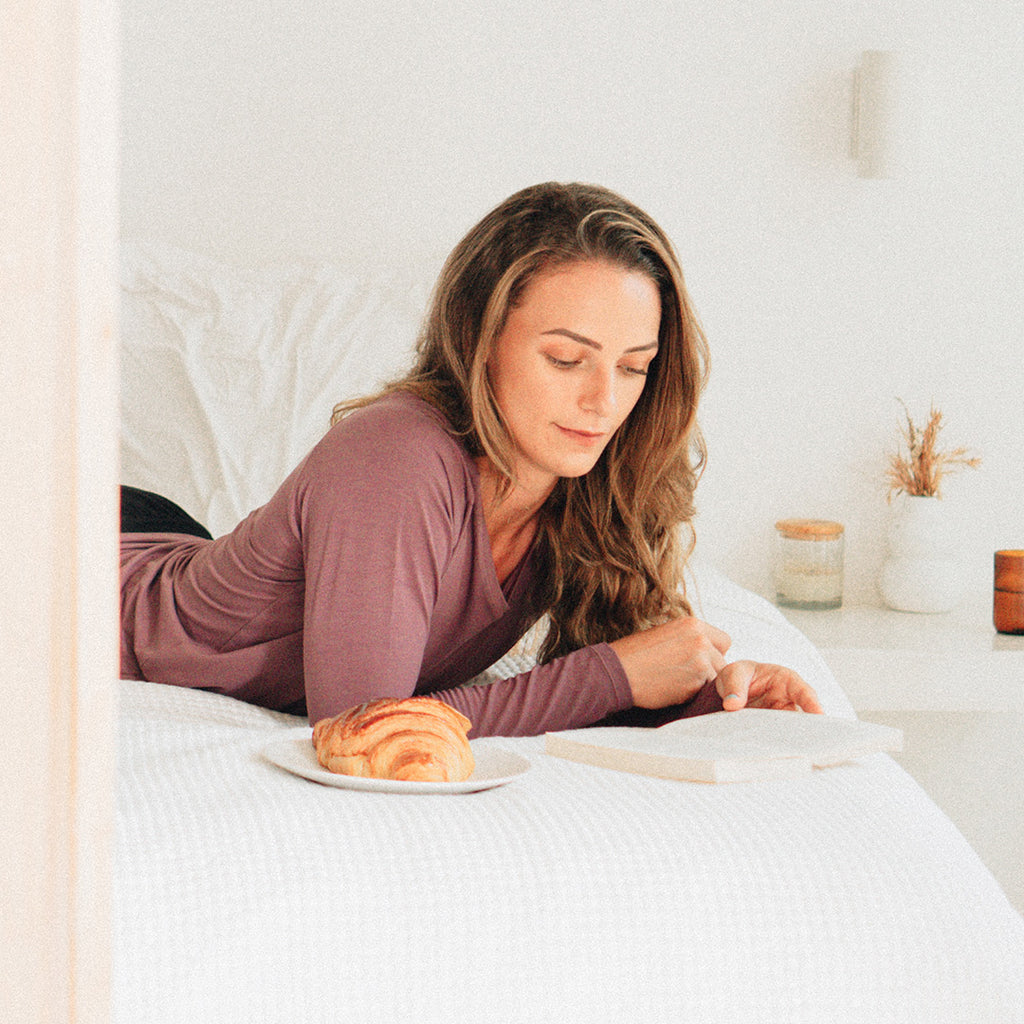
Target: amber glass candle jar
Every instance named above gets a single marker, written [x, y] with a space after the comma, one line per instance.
[809, 563]
[1008, 592]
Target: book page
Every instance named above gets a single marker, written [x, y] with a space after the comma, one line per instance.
[823, 739]
[727, 746]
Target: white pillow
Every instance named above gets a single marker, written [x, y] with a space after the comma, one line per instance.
[229, 375]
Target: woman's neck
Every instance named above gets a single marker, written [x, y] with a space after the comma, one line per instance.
[511, 518]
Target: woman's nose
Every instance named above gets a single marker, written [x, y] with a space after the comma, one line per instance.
[599, 393]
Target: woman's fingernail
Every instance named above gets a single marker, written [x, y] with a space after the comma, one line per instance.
[731, 696]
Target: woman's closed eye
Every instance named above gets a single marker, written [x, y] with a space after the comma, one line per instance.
[568, 364]
[639, 371]
[562, 364]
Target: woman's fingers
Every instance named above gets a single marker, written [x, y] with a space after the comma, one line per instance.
[806, 699]
[669, 663]
[733, 684]
[751, 684]
[721, 640]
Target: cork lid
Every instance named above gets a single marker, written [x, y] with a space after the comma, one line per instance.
[809, 529]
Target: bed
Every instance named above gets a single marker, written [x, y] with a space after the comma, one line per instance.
[570, 893]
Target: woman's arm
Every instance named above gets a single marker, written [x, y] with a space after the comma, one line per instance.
[379, 515]
[571, 692]
[383, 507]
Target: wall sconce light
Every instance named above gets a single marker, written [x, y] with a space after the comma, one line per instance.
[874, 96]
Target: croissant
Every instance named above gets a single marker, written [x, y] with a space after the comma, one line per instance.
[418, 739]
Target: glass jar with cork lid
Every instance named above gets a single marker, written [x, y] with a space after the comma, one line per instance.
[809, 563]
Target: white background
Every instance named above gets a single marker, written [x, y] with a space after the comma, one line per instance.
[381, 129]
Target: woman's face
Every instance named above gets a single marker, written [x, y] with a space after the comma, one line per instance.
[570, 365]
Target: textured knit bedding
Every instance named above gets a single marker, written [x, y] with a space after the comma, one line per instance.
[573, 893]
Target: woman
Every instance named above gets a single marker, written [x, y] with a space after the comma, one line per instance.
[540, 457]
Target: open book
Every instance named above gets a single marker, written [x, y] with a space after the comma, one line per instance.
[727, 746]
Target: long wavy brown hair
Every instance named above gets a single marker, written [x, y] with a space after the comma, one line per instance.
[613, 543]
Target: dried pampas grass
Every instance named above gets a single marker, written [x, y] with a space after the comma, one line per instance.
[920, 469]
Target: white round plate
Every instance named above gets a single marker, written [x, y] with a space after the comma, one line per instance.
[494, 767]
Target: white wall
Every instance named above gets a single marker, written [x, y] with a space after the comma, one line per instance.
[369, 127]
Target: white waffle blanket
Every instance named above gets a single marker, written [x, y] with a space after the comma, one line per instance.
[246, 895]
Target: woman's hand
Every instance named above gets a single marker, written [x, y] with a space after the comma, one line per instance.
[670, 663]
[754, 685]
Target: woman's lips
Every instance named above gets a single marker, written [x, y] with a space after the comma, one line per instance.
[583, 436]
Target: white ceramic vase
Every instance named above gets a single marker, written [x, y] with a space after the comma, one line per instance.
[922, 572]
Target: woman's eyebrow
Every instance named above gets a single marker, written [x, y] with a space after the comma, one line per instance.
[593, 344]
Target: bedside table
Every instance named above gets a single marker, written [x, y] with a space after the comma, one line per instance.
[956, 688]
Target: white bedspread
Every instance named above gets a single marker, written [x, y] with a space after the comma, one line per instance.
[245, 894]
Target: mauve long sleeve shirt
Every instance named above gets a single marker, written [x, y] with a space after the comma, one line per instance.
[368, 574]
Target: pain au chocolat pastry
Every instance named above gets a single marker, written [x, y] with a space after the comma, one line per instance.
[418, 739]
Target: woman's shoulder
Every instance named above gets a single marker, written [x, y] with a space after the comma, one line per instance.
[399, 414]
[400, 436]
[399, 423]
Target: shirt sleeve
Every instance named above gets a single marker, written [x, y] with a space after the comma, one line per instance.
[571, 692]
[378, 520]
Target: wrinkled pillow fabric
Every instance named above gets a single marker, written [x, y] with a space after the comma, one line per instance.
[229, 375]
